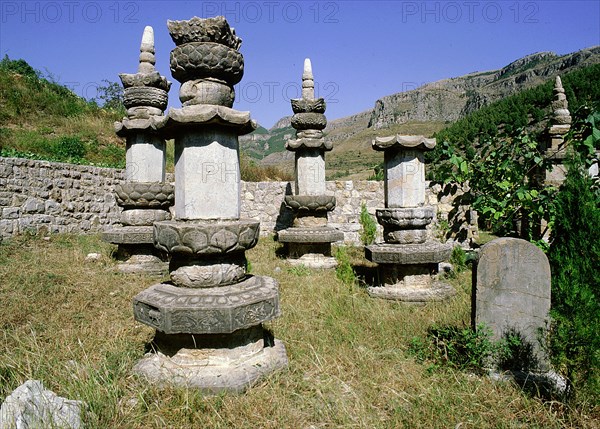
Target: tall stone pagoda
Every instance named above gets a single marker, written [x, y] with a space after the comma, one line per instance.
[560, 126]
[208, 318]
[309, 240]
[144, 197]
[408, 260]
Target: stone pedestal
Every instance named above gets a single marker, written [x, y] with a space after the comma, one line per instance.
[308, 241]
[407, 260]
[145, 197]
[209, 317]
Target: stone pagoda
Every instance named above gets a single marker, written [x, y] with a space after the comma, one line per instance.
[208, 318]
[560, 126]
[408, 260]
[309, 240]
[144, 197]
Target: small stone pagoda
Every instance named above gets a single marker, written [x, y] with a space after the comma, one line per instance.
[560, 126]
[144, 197]
[408, 260]
[309, 240]
[208, 318]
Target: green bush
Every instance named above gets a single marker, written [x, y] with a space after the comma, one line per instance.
[574, 256]
[344, 271]
[69, 148]
[368, 230]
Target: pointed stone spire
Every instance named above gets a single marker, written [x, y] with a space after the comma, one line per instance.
[147, 58]
[308, 83]
[560, 105]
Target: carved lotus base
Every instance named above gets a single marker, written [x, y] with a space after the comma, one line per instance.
[230, 363]
[206, 237]
[404, 254]
[310, 235]
[405, 218]
[218, 310]
[310, 203]
[153, 195]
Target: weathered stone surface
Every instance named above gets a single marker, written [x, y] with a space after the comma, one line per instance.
[198, 116]
[314, 261]
[196, 29]
[304, 105]
[309, 121]
[145, 96]
[310, 172]
[310, 203]
[513, 291]
[145, 158]
[405, 218]
[209, 272]
[141, 217]
[206, 91]
[403, 142]
[405, 236]
[217, 310]
[426, 253]
[31, 406]
[211, 373]
[310, 235]
[129, 235]
[418, 295]
[143, 194]
[404, 178]
[308, 143]
[144, 263]
[205, 238]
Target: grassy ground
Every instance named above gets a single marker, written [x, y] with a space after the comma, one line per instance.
[69, 323]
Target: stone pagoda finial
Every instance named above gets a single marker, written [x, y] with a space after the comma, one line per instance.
[560, 105]
[147, 58]
[308, 83]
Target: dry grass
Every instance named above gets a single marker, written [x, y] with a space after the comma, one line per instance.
[69, 323]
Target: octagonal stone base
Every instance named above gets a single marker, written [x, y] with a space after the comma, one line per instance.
[314, 260]
[213, 363]
[310, 235]
[129, 235]
[216, 310]
[426, 253]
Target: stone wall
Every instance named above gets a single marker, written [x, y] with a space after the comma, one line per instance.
[48, 197]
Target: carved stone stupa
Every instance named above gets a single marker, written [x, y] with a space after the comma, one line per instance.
[408, 260]
[309, 241]
[560, 126]
[145, 197]
[209, 316]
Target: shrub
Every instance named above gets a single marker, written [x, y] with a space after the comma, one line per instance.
[369, 226]
[574, 255]
[344, 271]
[69, 148]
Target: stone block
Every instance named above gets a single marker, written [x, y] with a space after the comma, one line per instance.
[309, 235]
[125, 234]
[219, 310]
[425, 253]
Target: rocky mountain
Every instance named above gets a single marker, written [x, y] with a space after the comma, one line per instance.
[425, 110]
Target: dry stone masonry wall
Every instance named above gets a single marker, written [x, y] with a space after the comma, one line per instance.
[48, 197]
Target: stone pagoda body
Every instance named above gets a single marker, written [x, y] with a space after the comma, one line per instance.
[560, 126]
[144, 197]
[408, 260]
[309, 240]
[209, 316]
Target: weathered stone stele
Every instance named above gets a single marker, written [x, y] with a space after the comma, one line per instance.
[512, 293]
[407, 262]
[209, 316]
[145, 197]
[308, 241]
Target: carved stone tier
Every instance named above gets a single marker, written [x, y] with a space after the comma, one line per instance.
[140, 258]
[145, 96]
[152, 79]
[310, 235]
[152, 125]
[201, 60]
[304, 105]
[208, 271]
[143, 217]
[201, 115]
[308, 143]
[405, 236]
[145, 194]
[405, 218]
[215, 30]
[425, 253]
[206, 237]
[309, 121]
[403, 142]
[129, 235]
[311, 203]
[213, 363]
[217, 310]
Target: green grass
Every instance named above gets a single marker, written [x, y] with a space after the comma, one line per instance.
[69, 323]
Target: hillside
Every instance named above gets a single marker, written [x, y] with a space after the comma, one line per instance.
[425, 110]
[41, 119]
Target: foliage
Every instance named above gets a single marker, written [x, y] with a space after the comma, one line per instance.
[69, 148]
[377, 172]
[368, 230]
[574, 255]
[458, 259]
[111, 95]
[344, 271]
[299, 270]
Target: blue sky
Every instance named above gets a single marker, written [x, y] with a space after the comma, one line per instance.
[360, 51]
